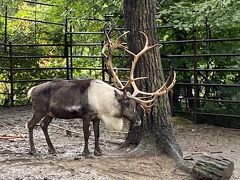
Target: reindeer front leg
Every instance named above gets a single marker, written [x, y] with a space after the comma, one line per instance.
[86, 132]
[97, 150]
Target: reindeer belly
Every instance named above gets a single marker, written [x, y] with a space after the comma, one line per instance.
[68, 112]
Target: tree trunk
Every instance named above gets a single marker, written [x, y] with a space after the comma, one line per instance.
[156, 133]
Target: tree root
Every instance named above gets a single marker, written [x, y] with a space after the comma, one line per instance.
[146, 146]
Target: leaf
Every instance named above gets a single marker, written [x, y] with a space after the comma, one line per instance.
[175, 21]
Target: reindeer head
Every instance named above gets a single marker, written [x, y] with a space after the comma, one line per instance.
[128, 108]
[144, 99]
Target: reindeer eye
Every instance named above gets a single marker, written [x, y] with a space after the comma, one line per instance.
[126, 103]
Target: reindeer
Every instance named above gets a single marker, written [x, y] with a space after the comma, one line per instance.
[92, 100]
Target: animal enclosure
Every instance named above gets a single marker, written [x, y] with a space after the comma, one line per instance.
[41, 41]
[68, 47]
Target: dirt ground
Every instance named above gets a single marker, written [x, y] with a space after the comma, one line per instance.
[16, 163]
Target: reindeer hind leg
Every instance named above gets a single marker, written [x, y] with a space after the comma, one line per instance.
[31, 124]
[44, 125]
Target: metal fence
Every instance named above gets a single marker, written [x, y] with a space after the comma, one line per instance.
[197, 93]
[64, 54]
[201, 93]
[189, 91]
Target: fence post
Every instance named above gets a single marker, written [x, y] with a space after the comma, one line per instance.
[11, 75]
[71, 52]
[106, 19]
[105, 29]
[207, 51]
[103, 63]
[5, 29]
[207, 36]
[66, 46]
[194, 76]
[35, 24]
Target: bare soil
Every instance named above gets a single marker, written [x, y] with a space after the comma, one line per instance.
[16, 163]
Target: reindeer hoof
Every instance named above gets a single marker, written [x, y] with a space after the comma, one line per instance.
[32, 152]
[97, 152]
[52, 151]
[85, 153]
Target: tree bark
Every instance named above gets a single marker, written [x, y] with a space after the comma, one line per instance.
[156, 131]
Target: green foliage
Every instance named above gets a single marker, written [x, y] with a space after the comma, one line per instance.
[220, 14]
[41, 24]
[223, 107]
[192, 20]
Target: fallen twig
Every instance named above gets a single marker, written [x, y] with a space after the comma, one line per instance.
[9, 137]
[71, 131]
[113, 141]
[202, 152]
[216, 152]
[159, 164]
[133, 172]
[17, 133]
[65, 129]
[189, 156]
[178, 173]
[10, 152]
[121, 132]
[194, 148]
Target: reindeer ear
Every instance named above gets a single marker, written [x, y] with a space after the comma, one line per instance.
[119, 97]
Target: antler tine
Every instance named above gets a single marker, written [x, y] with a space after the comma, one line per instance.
[137, 56]
[146, 46]
[114, 74]
[103, 50]
[111, 47]
[170, 82]
[117, 42]
[106, 44]
[147, 104]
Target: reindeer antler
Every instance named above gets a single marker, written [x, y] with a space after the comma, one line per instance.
[151, 97]
[147, 99]
[111, 47]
